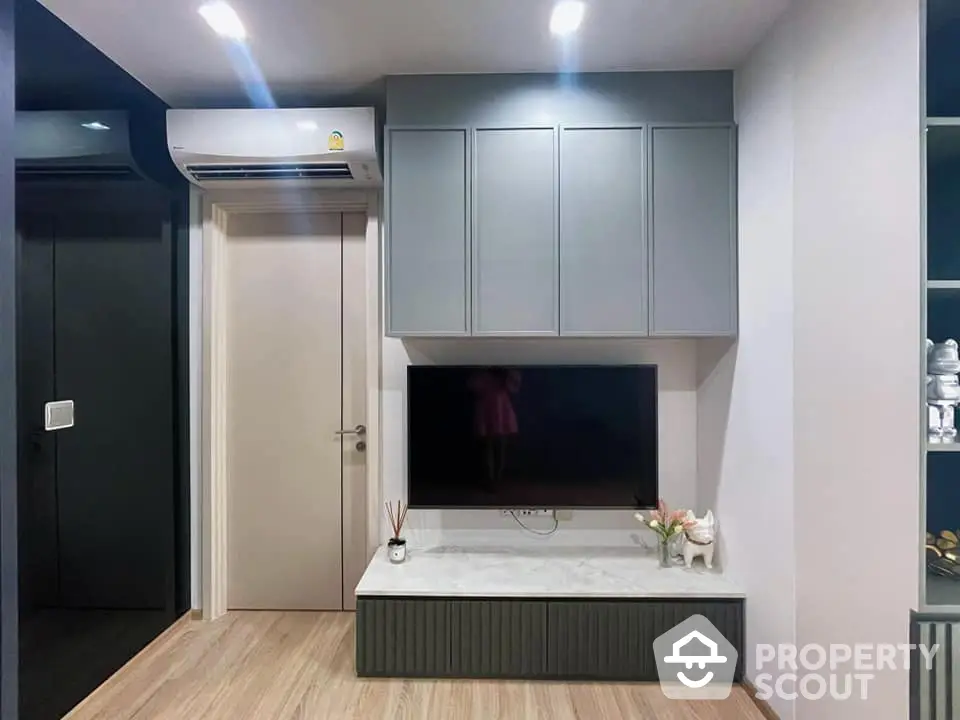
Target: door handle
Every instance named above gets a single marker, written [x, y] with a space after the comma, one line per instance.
[360, 430]
[58, 415]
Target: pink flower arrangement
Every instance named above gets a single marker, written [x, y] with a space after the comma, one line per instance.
[664, 522]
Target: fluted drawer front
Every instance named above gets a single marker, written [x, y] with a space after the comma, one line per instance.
[402, 637]
[613, 640]
[498, 638]
[935, 686]
[526, 638]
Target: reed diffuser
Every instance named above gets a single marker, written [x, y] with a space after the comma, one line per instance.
[396, 546]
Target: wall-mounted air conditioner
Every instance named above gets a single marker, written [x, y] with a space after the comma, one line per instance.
[334, 147]
[74, 145]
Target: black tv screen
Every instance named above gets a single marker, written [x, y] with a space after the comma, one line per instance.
[532, 436]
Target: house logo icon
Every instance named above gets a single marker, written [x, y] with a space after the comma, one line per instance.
[695, 661]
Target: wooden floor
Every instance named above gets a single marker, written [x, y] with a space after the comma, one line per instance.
[265, 665]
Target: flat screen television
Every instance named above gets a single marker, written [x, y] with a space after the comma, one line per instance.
[549, 437]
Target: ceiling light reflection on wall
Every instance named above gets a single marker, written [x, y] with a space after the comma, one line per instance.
[566, 17]
[223, 20]
[95, 125]
[307, 125]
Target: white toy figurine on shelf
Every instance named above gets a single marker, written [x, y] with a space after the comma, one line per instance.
[943, 389]
[699, 539]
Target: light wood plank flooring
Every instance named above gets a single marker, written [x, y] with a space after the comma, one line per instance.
[266, 665]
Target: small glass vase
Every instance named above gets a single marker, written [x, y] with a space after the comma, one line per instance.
[663, 553]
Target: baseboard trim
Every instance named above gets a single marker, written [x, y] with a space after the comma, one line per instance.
[762, 705]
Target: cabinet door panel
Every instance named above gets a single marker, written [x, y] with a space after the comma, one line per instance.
[36, 386]
[692, 231]
[113, 357]
[603, 253]
[428, 243]
[515, 273]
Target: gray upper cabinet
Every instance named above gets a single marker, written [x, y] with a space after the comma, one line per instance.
[594, 231]
[692, 230]
[427, 208]
[515, 259]
[603, 250]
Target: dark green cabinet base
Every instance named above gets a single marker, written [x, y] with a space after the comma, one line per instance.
[555, 638]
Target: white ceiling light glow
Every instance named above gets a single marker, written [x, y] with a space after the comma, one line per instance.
[307, 125]
[95, 125]
[566, 17]
[223, 20]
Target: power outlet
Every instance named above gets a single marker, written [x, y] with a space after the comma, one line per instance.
[527, 512]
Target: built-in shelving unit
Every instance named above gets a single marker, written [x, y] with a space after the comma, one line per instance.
[940, 466]
[940, 472]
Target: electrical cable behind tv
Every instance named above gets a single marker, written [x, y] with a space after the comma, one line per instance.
[556, 524]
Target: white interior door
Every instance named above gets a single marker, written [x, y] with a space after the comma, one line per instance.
[288, 392]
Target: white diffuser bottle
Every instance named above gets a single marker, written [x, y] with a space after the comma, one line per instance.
[396, 546]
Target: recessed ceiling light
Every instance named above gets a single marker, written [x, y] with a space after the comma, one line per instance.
[223, 20]
[566, 17]
[95, 125]
[307, 125]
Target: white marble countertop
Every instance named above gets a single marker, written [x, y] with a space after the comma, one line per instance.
[561, 572]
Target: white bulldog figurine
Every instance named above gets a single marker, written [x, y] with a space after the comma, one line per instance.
[699, 539]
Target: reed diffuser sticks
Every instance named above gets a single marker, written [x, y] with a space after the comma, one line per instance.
[397, 516]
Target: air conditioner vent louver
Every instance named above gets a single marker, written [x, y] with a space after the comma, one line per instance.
[279, 171]
[76, 172]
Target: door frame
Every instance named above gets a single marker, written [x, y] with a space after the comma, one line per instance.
[216, 207]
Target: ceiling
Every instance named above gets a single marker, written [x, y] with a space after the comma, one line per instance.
[326, 47]
[58, 70]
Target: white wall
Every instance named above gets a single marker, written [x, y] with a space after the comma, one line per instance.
[745, 396]
[802, 452]
[856, 295]
[677, 449]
